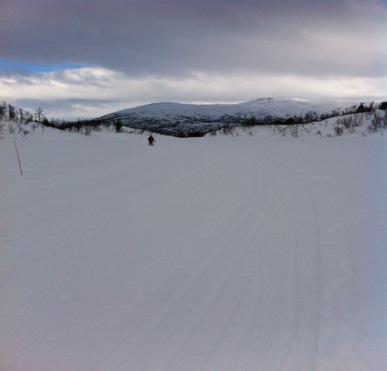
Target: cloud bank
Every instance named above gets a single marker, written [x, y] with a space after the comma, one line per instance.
[223, 50]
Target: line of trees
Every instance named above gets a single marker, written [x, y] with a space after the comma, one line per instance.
[9, 112]
[310, 116]
[83, 126]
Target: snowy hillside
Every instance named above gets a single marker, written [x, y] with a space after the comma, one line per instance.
[258, 107]
[261, 253]
[189, 119]
[364, 124]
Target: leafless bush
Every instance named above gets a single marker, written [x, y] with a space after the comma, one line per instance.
[308, 129]
[377, 123]
[228, 130]
[293, 130]
[357, 120]
[87, 130]
[281, 129]
[339, 131]
[247, 130]
[345, 121]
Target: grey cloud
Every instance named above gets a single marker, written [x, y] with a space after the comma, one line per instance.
[176, 38]
[91, 92]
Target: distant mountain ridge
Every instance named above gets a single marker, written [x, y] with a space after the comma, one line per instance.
[257, 107]
[182, 119]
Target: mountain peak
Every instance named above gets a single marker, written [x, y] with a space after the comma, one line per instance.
[260, 100]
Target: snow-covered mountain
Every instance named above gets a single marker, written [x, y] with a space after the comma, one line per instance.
[180, 119]
[259, 107]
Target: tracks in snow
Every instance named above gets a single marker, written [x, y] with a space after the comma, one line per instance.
[252, 301]
[193, 255]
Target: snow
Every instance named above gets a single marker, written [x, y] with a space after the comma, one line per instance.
[359, 125]
[220, 253]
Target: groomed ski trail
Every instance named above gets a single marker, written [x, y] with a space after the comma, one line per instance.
[212, 254]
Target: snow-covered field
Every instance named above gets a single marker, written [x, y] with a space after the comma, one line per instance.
[220, 253]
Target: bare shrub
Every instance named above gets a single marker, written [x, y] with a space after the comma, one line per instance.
[350, 121]
[87, 130]
[308, 129]
[345, 121]
[228, 130]
[339, 131]
[293, 130]
[281, 129]
[377, 123]
[357, 120]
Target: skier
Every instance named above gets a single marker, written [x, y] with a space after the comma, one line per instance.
[151, 140]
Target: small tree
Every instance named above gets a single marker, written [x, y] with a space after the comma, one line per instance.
[11, 112]
[39, 115]
[290, 121]
[21, 115]
[118, 126]
[3, 111]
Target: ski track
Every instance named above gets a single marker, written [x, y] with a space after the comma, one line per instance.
[207, 267]
[230, 276]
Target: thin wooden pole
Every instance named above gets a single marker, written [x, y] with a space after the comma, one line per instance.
[18, 158]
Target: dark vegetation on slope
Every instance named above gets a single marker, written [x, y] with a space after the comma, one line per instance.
[184, 127]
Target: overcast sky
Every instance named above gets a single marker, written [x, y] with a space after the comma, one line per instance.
[85, 58]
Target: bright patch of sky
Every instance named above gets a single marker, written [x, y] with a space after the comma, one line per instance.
[15, 66]
[91, 92]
